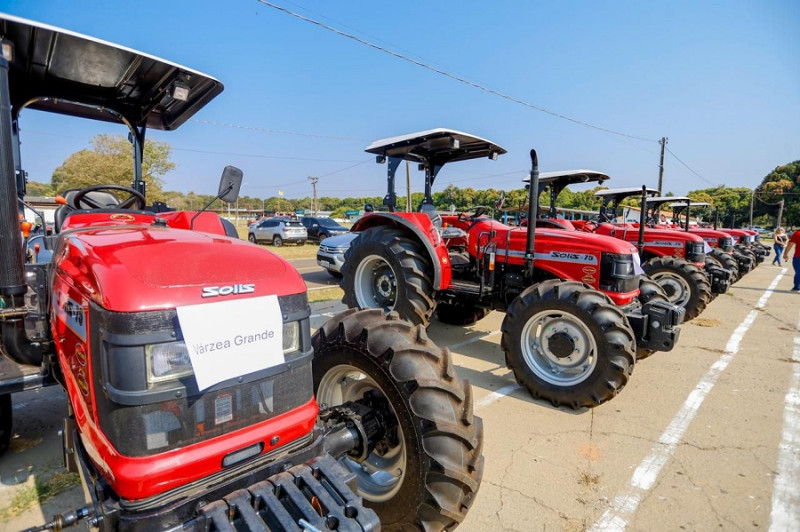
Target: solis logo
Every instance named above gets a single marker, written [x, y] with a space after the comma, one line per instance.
[214, 291]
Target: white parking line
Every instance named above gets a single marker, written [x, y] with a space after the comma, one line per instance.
[626, 503]
[497, 394]
[785, 513]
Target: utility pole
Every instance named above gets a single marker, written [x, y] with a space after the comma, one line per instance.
[752, 197]
[663, 143]
[314, 201]
[408, 187]
[780, 214]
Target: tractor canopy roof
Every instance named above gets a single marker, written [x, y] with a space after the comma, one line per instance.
[684, 204]
[569, 177]
[622, 193]
[656, 202]
[436, 147]
[57, 70]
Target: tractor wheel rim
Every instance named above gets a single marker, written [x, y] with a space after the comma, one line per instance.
[379, 476]
[677, 289]
[543, 340]
[375, 284]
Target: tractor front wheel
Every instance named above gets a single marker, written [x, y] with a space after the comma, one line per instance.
[725, 261]
[684, 283]
[568, 344]
[423, 474]
[385, 268]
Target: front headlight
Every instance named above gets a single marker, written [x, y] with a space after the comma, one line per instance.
[170, 361]
[167, 361]
[291, 336]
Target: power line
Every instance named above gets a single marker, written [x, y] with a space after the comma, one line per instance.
[449, 75]
[690, 169]
[258, 156]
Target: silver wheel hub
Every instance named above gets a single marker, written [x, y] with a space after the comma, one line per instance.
[559, 348]
[381, 473]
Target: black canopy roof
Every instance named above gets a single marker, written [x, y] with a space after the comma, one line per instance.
[52, 69]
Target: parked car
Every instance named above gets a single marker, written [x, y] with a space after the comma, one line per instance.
[330, 254]
[321, 227]
[277, 231]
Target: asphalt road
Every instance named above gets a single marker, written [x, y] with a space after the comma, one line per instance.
[706, 437]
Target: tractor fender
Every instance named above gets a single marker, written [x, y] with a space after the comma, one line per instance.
[421, 227]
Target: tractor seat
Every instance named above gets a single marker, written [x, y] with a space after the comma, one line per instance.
[433, 214]
[103, 198]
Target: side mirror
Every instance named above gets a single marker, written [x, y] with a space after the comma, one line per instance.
[368, 207]
[229, 184]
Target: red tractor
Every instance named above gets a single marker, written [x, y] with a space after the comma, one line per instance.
[723, 251]
[198, 397]
[573, 323]
[665, 254]
[674, 259]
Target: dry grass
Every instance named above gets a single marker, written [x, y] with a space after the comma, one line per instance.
[39, 491]
[326, 294]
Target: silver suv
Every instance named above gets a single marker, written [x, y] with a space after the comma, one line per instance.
[277, 231]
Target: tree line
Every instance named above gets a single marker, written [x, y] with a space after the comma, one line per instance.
[109, 161]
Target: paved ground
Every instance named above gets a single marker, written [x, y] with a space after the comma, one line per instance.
[706, 437]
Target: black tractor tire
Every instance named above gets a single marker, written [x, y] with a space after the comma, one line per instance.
[577, 319]
[460, 314]
[6, 422]
[649, 290]
[726, 261]
[386, 268]
[429, 480]
[277, 241]
[338, 275]
[684, 283]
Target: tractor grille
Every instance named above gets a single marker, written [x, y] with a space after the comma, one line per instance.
[695, 251]
[153, 428]
[311, 496]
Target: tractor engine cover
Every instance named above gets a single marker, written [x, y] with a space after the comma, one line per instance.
[127, 368]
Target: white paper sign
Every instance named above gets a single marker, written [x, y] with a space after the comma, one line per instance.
[228, 339]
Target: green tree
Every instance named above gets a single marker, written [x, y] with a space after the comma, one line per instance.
[110, 161]
[32, 188]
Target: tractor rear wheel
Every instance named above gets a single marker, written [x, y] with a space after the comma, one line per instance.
[384, 268]
[460, 314]
[425, 475]
[568, 344]
[649, 290]
[6, 422]
[726, 261]
[684, 283]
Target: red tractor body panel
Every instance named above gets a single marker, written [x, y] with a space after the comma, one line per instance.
[564, 254]
[426, 232]
[135, 268]
[132, 268]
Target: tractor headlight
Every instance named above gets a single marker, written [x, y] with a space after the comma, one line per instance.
[167, 361]
[291, 336]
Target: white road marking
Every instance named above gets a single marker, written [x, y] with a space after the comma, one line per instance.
[785, 513]
[626, 503]
[497, 394]
[480, 336]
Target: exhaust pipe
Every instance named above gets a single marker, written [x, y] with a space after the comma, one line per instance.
[533, 213]
[12, 256]
[15, 342]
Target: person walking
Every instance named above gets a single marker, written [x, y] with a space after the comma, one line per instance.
[779, 242]
[794, 242]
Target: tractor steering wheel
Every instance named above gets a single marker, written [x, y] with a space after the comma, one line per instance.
[134, 197]
[479, 211]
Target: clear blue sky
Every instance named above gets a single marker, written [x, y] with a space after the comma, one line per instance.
[721, 79]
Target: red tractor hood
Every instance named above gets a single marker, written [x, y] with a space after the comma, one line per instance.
[137, 268]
